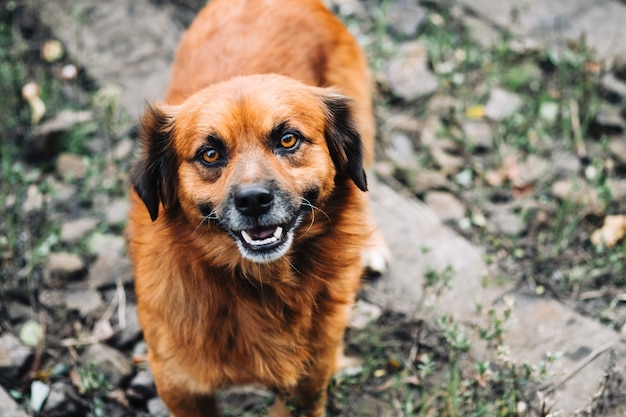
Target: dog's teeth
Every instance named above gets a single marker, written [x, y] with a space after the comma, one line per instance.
[278, 233]
[246, 237]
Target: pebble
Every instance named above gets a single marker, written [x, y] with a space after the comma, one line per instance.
[117, 211]
[446, 205]
[405, 18]
[502, 104]
[364, 313]
[62, 401]
[401, 151]
[426, 180]
[13, 355]
[581, 193]
[609, 117]
[85, 300]
[156, 408]
[70, 166]
[107, 268]
[64, 263]
[34, 199]
[479, 135]
[408, 73]
[132, 330]
[142, 384]
[74, 230]
[610, 83]
[503, 220]
[617, 146]
[112, 363]
[46, 138]
[107, 244]
[123, 149]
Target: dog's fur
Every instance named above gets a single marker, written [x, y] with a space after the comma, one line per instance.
[231, 162]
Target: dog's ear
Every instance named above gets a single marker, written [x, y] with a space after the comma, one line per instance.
[154, 174]
[343, 139]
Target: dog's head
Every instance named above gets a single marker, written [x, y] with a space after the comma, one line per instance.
[253, 155]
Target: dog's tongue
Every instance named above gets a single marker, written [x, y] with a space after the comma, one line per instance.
[261, 233]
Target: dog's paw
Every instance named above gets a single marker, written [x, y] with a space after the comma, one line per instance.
[376, 255]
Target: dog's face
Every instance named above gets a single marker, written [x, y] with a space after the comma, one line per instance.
[253, 155]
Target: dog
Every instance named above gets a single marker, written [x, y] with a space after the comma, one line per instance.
[248, 218]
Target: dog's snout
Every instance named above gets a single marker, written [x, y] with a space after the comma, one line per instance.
[254, 200]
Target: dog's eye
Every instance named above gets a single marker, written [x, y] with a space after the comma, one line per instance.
[210, 156]
[288, 141]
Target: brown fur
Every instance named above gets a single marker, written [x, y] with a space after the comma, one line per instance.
[213, 318]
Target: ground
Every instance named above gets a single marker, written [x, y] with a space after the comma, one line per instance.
[517, 147]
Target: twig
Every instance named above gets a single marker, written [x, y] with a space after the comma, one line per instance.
[580, 365]
[581, 151]
[121, 309]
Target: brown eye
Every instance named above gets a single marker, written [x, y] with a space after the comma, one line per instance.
[288, 141]
[210, 156]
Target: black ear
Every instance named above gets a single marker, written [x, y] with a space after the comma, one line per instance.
[154, 174]
[343, 139]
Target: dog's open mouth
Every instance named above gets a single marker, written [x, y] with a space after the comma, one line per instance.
[262, 237]
[266, 243]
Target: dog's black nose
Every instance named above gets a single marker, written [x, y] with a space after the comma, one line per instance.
[254, 200]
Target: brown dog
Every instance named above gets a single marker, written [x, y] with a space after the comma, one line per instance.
[248, 215]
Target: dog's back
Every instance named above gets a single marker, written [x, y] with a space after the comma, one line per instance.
[301, 39]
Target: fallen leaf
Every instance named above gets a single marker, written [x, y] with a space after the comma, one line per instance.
[475, 112]
[612, 231]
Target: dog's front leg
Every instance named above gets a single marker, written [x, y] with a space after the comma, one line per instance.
[181, 402]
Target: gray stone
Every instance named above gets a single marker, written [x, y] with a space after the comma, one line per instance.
[609, 117]
[64, 263]
[618, 189]
[446, 205]
[504, 220]
[74, 230]
[61, 401]
[401, 151]
[34, 199]
[405, 17]
[611, 83]
[70, 166]
[112, 363]
[157, 408]
[142, 384]
[557, 22]
[579, 192]
[481, 31]
[137, 36]
[8, 407]
[123, 149]
[62, 192]
[502, 104]
[117, 211]
[85, 300]
[617, 146]
[425, 180]
[106, 244]
[46, 138]
[131, 330]
[408, 73]
[478, 134]
[566, 164]
[106, 270]
[13, 355]
[364, 313]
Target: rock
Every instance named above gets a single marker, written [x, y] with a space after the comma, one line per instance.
[619, 66]
[50, 297]
[157, 408]
[18, 312]
[64, 264]
[611, 84]
[62, 192]
[401, 151]
[502, 104]
[450, 164]
[618, 189]
[107, 244]
[405, 17]
[427, 180]
[608, 118]
[85, 300]
[112, 363]
[447, 206]
[142, 385]
[364, 313]
[482, 32]
[580, 193]
[123, 149]
[8, 407]
[34, 199]
[70, 166]
[13, 356]
[131, 330]
[479, 135]
[74, 230]
[46, 138]
[117, 212]
[617, 146]
[408, 73]
[107, 268]
[566, 164]
[534, 168]
[503, 220]
[62, 401]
